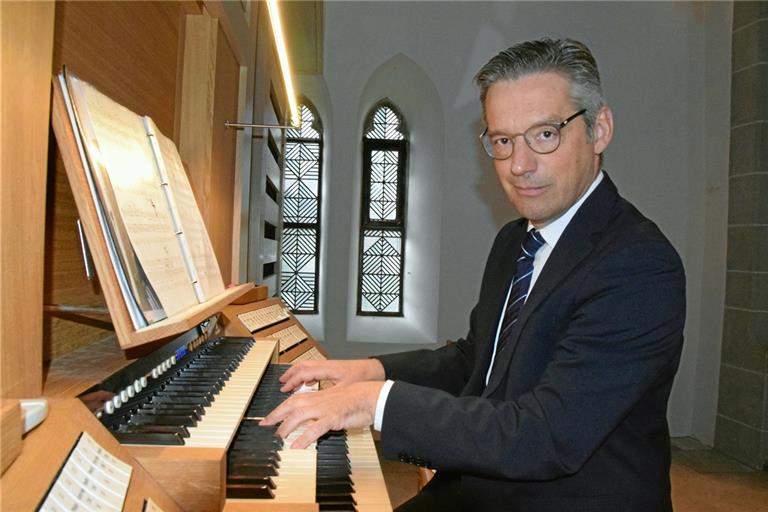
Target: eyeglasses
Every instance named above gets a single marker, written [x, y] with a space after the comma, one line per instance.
[542, 138]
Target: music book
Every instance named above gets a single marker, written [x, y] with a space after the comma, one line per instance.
[156, 237]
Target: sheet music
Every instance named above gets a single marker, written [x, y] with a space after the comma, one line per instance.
[205, 267]
[140, 300]
[124, 164]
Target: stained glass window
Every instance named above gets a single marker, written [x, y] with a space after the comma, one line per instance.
[300, 250]
[382, 226]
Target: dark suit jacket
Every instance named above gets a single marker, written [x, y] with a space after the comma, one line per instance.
[574, 415]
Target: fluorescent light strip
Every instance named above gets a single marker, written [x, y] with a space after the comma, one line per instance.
[282, 54]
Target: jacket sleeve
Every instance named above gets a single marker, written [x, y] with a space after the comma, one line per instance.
[448, 368]
[620, 347]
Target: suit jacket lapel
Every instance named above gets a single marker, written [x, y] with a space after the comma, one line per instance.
[574, 246]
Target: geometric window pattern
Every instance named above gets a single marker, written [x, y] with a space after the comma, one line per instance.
[299, 262]
[382, 271]
[385, 125]
[382, 227]
[383, 195]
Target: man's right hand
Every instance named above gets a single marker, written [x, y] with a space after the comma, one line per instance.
[338, 371]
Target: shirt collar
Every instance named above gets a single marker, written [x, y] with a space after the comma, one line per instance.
[552, 231]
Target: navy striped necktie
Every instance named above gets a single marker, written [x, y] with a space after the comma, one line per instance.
[532, 242]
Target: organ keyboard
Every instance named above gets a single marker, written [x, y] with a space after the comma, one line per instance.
[189, 413]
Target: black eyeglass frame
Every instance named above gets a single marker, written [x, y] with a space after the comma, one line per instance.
[558, 127]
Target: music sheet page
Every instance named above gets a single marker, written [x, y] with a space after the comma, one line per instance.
[192, 224]
[118, 145]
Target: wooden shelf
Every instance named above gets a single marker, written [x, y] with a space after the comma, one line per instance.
[183, 321]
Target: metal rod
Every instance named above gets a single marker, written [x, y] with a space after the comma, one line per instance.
[80, 314]
[72, 308]
[227, 124]
[86, 252]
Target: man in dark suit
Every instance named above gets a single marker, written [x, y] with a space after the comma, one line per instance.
[556, 400]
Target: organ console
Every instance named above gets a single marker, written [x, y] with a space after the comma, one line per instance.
[187, 415]
[174, 400]
[197, 402]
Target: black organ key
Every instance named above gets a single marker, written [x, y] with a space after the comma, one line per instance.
[253, 450]
[249, 491]
[334, 487]
[161, 413]
[151, 434]
[195, 411]
[163, 419]
[253, 458]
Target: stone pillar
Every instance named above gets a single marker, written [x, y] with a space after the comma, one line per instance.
[742, 411]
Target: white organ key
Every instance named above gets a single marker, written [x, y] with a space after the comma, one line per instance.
[296, 480]
[222, 417]
[370, 492]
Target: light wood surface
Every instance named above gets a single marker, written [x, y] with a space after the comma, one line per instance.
[194, 477]
[187, 319]
[27, 37]
[10, 432]
[46, 448]
[234, 326]
[209, 97]
[223, 170]
[258, 293]
[197, 96]
[71, 374]
[268, 506]
[131, 52]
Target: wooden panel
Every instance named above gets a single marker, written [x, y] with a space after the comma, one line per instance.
[194, 477]
[71, 374]
[26, 34]
[258, 293]
[65, 281]
[222, 174]
[129, 51]
[10, 432]
[46, 448]
[265, 506]
[209, 98]
[196, 109]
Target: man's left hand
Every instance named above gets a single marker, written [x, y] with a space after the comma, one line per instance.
[336, 408]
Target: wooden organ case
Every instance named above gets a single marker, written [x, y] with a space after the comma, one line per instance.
[191, 66]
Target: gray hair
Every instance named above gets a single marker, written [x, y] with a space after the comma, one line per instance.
[569, 58]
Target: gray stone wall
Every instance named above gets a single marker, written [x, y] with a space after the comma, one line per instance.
[742, 415]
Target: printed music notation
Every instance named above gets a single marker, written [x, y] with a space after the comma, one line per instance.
[258, 319]
[187, 215]
[90, 479]
[153, 218]
[310, 355]
[289, 337]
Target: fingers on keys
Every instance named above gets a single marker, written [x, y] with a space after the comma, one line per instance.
[299, 374]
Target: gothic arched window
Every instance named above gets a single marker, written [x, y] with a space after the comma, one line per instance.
[300, 251]
[382, 216]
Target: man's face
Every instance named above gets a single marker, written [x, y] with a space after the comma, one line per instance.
[543, 187]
